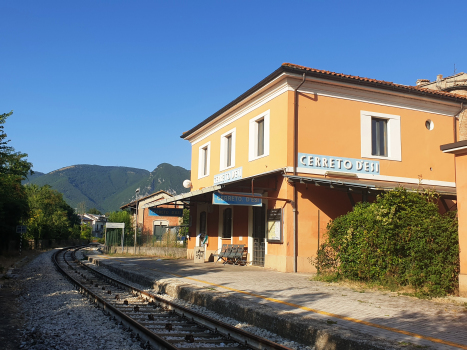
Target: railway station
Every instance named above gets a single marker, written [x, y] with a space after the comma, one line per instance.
[301, 147]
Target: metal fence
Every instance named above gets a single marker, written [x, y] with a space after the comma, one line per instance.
[163, 236]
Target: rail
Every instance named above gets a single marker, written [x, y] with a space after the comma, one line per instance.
[157, 323]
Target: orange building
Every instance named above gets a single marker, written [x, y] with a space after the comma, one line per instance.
[271, 168]
[155, 221]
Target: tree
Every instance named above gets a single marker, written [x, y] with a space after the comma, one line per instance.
[82, 208]
[86, 232]
[94, 211]
[13, 200]
[50, 216]
[123, 217]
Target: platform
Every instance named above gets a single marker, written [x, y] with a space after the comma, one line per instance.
[292, 305]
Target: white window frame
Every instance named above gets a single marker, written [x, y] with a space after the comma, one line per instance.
[200, 160]
[223, 160]
[253, 136]
[393, 135]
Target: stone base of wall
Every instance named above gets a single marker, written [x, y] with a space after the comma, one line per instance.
[165, 252]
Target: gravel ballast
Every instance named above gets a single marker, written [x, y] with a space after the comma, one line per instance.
[58, 317]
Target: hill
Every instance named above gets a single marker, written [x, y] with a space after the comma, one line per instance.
[109, 187]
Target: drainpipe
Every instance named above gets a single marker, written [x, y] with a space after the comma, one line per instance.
[295, 161]
[456, 116]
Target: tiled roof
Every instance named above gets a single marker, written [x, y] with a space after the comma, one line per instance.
[324, 74]
[383, 83]
[143, 198]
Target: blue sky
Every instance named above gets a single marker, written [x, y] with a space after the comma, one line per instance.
[117, 82]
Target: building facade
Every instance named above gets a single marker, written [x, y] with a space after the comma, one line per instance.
[155, 221]
[273, 167]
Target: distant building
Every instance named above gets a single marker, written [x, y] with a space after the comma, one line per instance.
[97, 223]
[455, 84]
[155, 222]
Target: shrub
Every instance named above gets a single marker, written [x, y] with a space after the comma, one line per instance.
[400, 239]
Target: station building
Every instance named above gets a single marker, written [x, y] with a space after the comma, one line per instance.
[155, 221]
[273, 167]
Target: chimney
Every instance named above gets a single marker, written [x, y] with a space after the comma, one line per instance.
[439, 77]
[422, 81]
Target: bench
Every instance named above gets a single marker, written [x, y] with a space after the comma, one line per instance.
[232, 253]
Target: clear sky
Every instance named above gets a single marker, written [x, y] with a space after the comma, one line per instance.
[117, 82]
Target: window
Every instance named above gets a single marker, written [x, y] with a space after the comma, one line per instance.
[259, 136]
[202, 222]
[260, 130]
[227, 223]
[227, 150]
[159, 229]
[203, 160]
[380, 136]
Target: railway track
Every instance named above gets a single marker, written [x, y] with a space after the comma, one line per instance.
[153, 321]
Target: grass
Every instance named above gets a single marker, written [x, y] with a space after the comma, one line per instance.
[362, 287]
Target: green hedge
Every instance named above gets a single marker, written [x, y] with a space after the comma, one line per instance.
[399, 239]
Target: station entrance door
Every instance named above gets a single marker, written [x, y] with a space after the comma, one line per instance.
[259, 235]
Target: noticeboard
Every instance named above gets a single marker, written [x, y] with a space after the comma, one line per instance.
[21, 229]
[274, 221]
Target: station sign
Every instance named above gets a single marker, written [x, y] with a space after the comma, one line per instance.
[166, 212]
[340, 164]
[232, 199]
[228, 176]
[115, 225]
[21, 229]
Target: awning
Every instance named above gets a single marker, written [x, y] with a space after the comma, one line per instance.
[182, 197]
[358, 185]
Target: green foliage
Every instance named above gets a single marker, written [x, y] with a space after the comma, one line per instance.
[50, 216]
[122, 216]
[86, 232]
[185, 223]
[94, 211]
[115, 234]
[107, 188]
[400, 239]
[13, 200]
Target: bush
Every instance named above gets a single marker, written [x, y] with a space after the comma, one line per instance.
[400, 239]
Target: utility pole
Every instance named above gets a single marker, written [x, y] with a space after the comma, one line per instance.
[136, 221]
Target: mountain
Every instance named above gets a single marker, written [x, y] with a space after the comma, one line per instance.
[107, 188]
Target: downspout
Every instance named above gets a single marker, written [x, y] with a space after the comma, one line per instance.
[457, 116]
[295, 162]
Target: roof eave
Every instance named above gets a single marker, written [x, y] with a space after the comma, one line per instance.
[310, 73]
[259, 85]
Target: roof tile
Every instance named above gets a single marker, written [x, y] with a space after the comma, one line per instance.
[380, 82]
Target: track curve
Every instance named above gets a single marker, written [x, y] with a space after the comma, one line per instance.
[155, 322]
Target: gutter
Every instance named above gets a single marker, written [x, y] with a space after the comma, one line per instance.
[327, 76]
[295, 161]
[456, 116]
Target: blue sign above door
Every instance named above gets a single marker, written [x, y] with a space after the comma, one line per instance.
[165, 212]
[232, 199]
